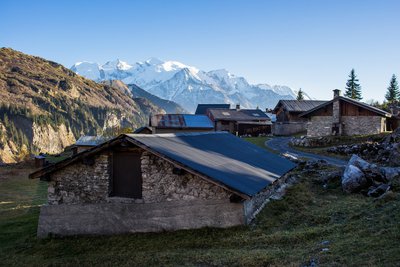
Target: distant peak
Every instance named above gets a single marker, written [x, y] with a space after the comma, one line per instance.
[117, 64]
[154, 61]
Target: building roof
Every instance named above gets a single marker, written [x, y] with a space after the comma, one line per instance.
[202, 108]
[298, 105]
[351, 101]
[218, 157]
[238, 115]
[181, 121]
[142, 129]
[90, 140]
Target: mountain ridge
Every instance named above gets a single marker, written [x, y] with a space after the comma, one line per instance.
[187, 85]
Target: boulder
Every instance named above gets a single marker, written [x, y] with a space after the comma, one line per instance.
[360, 163]
[353, 179]
[390, 172]
[379, 190]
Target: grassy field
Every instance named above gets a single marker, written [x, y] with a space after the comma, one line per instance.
[312, 223]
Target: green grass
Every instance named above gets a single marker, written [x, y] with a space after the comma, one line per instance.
[260, 141]
[289, 232]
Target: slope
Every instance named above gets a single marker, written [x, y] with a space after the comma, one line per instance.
[44, 106]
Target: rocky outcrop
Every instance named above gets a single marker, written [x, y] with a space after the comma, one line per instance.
[371, 179]
[52, 140]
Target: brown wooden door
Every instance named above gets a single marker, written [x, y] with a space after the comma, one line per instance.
[127, 175]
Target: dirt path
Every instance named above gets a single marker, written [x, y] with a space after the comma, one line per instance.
[281, 144]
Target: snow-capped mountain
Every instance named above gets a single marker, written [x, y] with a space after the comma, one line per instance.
[187, 85]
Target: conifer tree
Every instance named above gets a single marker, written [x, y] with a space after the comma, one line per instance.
[300, 95]
[353, 88]
[392, 94]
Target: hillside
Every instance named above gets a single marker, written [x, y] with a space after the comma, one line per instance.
[44, 106]
[136, 93]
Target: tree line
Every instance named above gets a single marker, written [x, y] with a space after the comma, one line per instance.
[353, 90]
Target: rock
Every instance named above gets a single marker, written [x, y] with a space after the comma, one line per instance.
[379, 190]
[353, 179]
[390, 172]
[359, 162]
[315, 164]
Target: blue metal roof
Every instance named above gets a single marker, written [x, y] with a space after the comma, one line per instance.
[222, 157]
[197, 121]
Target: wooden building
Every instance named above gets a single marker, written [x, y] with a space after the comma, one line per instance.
[240, 121]
[288, 120]
[158, 182]
[175, 123]
[86, 142]
[345, 116]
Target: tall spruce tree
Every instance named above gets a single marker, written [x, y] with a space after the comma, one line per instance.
[393, 94]
[353, 88]
[300, 95]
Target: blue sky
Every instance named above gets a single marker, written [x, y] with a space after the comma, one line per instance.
[308, 44]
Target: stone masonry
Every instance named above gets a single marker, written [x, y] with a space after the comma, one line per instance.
[83, 184]
[320, 126]
[363, 125]
[80, 183]
[160, 184]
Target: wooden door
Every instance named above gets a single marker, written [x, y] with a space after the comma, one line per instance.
[127, 175]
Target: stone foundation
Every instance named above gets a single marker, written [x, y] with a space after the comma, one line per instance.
[363, 125]
[320, 126]
[122, 218]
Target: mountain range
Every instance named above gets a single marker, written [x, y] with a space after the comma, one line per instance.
[186, 85]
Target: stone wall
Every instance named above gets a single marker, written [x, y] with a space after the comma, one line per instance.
[363, 125]
[275, 191]
[290, 128]
[320, 126]
[80, 183]
[160, 184]
[350, 125]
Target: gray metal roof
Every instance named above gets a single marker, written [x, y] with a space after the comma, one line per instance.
[89, 140]
[202, 108]
[223, 157]
[351, 101]
[181, 121]
[239, 115]
[298, 105]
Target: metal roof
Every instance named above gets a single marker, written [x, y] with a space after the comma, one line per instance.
[238, 115]
[181, 121]
[89, 140]
[298, 105]
[202, 108]
[223, 157]
[351, 101]
[141, 129]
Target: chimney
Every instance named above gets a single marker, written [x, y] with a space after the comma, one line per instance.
[336, 93]
[238, 107]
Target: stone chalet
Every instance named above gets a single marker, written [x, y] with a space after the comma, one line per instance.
[345, 116]
[158, 182]
[288, 121]
[240, 121]
[175, 123]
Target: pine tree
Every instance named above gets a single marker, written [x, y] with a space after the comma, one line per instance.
[392, 94]
[300, 95]
[353, 88]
